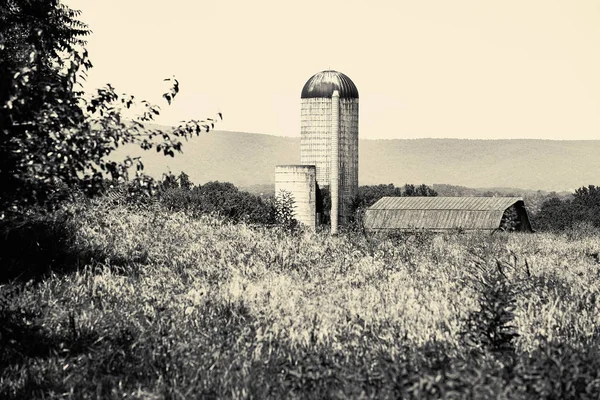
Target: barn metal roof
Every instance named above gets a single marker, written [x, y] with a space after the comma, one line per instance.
[324, 83]
[445, 203]
[438, 213]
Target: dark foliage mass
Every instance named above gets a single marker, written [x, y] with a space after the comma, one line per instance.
[37, 96]
[53, 138]
[35, 245]
[582, 209]
[221, 199]
[370, 194]
[224, 200]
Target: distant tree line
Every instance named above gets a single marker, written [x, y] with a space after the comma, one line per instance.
[370, 194]
[177, 193]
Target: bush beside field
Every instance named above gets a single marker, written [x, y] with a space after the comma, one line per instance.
[147, 303]
[220, 199]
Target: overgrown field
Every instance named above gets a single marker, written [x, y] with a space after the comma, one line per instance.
[150, 304]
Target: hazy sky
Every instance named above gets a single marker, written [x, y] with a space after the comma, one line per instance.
[480, 69]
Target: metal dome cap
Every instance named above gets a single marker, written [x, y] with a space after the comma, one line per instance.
[324, 83]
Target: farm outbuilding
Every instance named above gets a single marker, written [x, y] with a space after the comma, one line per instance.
[448, 213]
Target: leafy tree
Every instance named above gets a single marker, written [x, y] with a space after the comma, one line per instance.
[556, 214]
[185, 182]
[422, 190]
[53, 138]
[589, 195]
[37, 39]
[409, 190]
[586, 204]
[426, 191]
[284, 210]
[370, 194]
[169, 181]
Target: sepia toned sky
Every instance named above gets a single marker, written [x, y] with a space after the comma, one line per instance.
[478, 69]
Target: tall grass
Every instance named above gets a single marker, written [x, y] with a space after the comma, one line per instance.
[159, 305]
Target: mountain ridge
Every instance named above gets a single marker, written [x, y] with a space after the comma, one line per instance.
[246, 159]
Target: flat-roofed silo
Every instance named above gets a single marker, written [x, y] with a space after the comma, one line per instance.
[316, 130]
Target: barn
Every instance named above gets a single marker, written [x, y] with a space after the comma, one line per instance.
[448, 213]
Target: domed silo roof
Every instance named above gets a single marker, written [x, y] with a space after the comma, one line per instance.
[325, 83]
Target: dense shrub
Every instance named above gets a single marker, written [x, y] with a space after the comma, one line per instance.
[283, 205]
[35, 244]
[564, 214]
[221, 199]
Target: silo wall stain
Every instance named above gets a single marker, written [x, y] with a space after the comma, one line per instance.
[301, 182]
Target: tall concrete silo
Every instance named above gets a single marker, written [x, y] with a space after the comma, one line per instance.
[325, 119]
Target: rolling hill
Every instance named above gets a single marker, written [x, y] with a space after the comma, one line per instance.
[247, 159]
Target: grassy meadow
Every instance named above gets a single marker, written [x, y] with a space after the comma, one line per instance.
[149, 304]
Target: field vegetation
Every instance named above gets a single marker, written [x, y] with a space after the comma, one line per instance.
[124, 301]
[115, 285]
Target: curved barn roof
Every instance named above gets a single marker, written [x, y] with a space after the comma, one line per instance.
[324, 83]
[445, 203]
[442, 213]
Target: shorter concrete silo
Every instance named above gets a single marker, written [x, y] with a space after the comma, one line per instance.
[301, 182]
